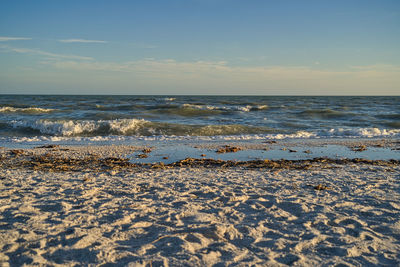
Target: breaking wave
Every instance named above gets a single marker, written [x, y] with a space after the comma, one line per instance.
[367, 132]
[140, 127]
[361, 132]
[132, 127]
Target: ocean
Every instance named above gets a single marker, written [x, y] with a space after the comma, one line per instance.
[108, 119]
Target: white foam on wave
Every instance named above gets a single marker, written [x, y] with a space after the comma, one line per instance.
[129, 127]
[201, 107]
[67, 139]
[333, 133]
[362, 132]
[72, 128]
[25, 110]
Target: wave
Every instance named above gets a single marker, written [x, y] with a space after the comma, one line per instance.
[389, 116]
[77, 128]
[119, 107]
[31, 110]
[360, 132]
[246, 108]
[132, 127]
[325, 113]
[118, 138]
[144, 128]
[192, 109]
[113, 139]
[394, 124]
[187, 111]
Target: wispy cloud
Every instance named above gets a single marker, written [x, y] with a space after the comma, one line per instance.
[208, 74]
[381, 67]
[82, 41]
[44, 53]
[5, 39]
[168, 67]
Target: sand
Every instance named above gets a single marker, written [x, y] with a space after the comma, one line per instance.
[200, 216]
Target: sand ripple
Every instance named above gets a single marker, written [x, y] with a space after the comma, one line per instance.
[201, 217]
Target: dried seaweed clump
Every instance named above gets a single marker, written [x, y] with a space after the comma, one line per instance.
[17, 152]
[228, 149]
[321, 187]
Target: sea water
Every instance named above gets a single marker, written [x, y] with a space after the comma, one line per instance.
[89, 119]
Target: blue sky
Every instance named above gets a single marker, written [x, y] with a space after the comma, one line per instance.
[200, 47]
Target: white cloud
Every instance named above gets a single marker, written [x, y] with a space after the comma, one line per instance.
[5, 39]
[44, 53]
[82, 41]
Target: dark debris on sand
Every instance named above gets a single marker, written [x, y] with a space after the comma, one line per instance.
[48, 146]
[321, 187]
[228, 149]
[279, 164]
[50, 162]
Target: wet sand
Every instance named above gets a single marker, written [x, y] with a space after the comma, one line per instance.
[96, 206]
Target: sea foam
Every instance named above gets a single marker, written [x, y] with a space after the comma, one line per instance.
[338, 133]
[141, 127]
[88, 127]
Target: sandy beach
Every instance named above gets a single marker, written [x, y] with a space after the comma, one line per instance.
[200, 133]
[103, 210]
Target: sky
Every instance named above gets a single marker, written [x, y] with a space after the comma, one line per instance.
[221, 47]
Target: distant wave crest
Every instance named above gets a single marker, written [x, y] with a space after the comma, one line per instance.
[246, 108]
[25, 110]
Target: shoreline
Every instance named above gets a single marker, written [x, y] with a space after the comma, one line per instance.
[21, 160]
[128, 158]
[283, 153]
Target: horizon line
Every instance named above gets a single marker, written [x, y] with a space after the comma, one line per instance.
[296, 95]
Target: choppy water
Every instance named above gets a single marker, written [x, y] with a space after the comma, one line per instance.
[203, 117]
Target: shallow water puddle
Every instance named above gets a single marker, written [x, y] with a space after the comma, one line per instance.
[169, 154]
